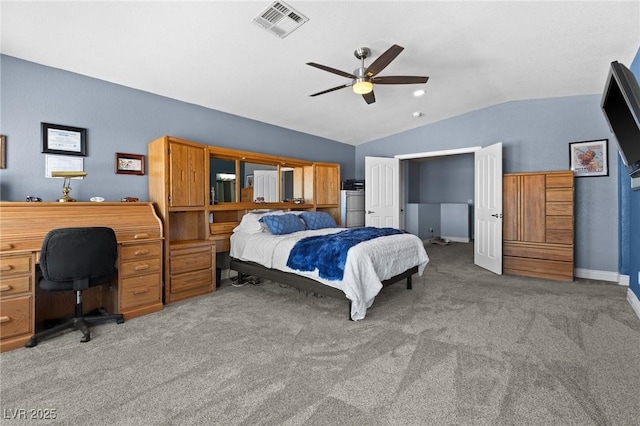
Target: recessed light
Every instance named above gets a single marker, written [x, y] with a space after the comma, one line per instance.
[419, 92]
[417, 114]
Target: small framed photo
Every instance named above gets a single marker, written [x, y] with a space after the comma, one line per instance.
[249, 182]
[65, 140]
[129, 164]
[589, 158]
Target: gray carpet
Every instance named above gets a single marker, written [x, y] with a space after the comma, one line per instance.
[463, 347]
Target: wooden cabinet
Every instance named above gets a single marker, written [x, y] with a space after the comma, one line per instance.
[322, 187]
[16, 299]
[186, 175]
[139, 272]
[178, 185]
[192, 263]
[322, 184]
[538, 225]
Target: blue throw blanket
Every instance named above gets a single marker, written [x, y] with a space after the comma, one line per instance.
[328, 253]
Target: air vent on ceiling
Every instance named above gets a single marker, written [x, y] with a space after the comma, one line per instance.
[280, 19]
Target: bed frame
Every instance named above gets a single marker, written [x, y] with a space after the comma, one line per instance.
[303, 283]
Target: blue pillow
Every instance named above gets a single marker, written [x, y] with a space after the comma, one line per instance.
[283, 223]
[318, 220]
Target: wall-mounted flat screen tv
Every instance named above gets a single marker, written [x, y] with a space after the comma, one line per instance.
[621, 107]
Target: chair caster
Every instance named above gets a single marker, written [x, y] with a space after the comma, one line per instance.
[31, 343]
[86, 338]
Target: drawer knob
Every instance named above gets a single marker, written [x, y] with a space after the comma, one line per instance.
[4, 319]
[141, 291]
[6, 247]
[5, 287]
[141, 267]
[141, 236]
[141, 252]
[6, 268]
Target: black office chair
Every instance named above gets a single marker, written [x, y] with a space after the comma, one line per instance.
[76, 259]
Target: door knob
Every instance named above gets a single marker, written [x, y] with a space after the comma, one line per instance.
[497, 215]
[369, 212]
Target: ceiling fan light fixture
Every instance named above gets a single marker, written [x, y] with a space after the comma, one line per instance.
[362, 86]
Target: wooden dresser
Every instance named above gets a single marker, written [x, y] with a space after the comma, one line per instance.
[538, 224]
[23, 226]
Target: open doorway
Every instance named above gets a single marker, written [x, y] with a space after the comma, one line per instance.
[486, 201]
[439, 194]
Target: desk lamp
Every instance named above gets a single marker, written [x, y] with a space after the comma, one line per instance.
[66, 184]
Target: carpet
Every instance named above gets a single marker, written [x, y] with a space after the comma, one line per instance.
[463, 347]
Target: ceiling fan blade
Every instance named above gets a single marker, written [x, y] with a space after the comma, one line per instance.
[332, 89]
[369, 97]
[384, 60]
[332, 70]
[399, 79]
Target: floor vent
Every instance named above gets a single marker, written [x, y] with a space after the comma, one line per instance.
[280, 19]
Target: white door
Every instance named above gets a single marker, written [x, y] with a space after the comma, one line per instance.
[265, 185]
[382, 192]
[488, 212]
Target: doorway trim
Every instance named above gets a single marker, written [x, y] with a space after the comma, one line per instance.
[441, 153]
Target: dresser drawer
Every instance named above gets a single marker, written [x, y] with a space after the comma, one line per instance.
[562, 253]
[560, 180]
[15, 285]
[193, 261]
[560, 194]
[223, 227]
[14, 265]
[15, 317]
[140, 251]
[202, 279]
[559, 209]
[139, 290]
[128, 269]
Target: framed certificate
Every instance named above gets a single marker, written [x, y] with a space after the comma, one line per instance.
[65, 140]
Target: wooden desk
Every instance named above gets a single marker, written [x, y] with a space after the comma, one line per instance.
[136, 291]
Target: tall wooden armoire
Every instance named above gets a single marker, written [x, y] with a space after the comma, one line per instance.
[538, 224]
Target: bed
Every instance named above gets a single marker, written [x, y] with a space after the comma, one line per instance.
[259, 249]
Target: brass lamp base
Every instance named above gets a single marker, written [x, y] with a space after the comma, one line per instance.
[65, 196]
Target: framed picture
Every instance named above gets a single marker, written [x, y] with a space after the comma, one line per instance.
[3, 152]
[129, 164]
[249, 182]
[589, 158]
[65, 140]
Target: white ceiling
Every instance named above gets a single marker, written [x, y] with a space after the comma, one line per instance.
[209, 53]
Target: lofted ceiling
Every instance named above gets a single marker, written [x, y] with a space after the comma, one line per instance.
[210, 53]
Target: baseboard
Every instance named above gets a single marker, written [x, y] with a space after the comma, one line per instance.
[634, 302]
[592, 274]
[624, 280]
[456, 239]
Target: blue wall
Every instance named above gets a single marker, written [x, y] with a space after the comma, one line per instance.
[535, 136]
[630, 218]
[121, 119]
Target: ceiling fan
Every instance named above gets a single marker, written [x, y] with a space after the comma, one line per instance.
[363, 79]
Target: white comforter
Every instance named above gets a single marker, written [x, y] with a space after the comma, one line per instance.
[368, 263]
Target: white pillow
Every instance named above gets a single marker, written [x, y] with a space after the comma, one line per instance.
[250, 222]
